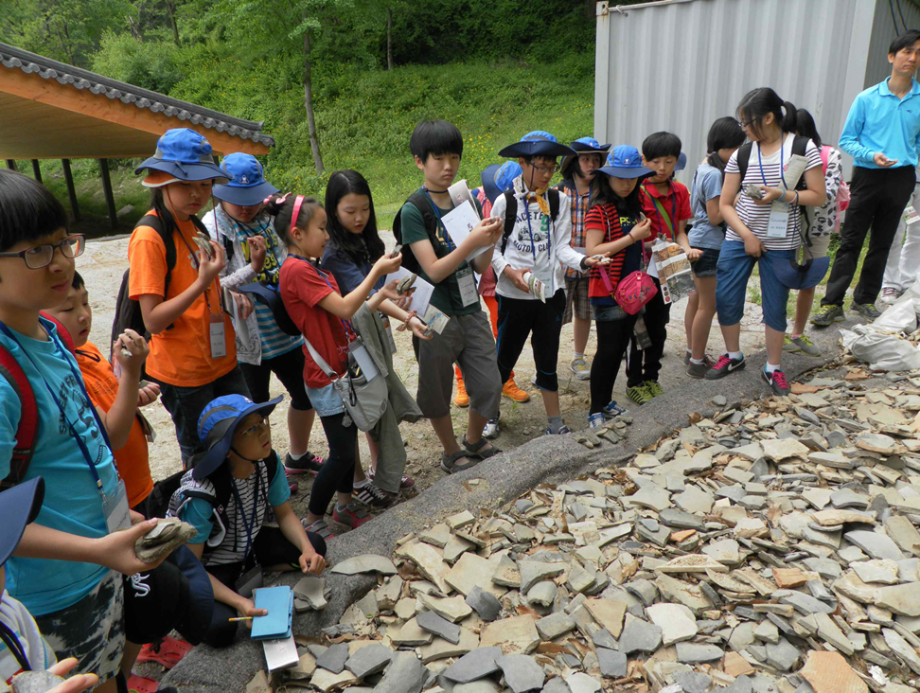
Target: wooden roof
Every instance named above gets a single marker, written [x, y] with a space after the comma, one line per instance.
[51, 110]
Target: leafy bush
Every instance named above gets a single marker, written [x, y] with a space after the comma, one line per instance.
[149, 64]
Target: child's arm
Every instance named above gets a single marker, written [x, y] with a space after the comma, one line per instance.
[120, 416]
[292, 528]
[346, 306]
[486, 232]
[684, 241]
[415, 325]
[595, 245]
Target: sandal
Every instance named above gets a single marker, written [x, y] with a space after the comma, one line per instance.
[168, 652]
[142, 684]
[477, 448]
[449, 462]
[319, 527]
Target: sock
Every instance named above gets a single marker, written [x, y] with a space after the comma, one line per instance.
[769, 368]
[736, 355]
[696, 361]
[555, 423]
[580, 355]
[297, 457]
[361, 484]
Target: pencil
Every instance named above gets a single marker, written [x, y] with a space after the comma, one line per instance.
[239, 618]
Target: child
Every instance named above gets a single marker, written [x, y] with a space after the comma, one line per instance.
[577, 174]
[232, 539]
[352, 249]
[66, 567]
[538, 244]
[758, 233]
[255, 253]
[193, 345]
[495, 180]
[707, 234]
[666, 202]
[613, 225]
[312, 299]
[437, 147]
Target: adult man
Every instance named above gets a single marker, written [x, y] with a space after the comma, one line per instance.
[881, 134]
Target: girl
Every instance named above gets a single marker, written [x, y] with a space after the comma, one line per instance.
[353, 246]
[822, 221]
[614, 225]
[761, 232]
[707, 234]
[192, 348]
[312, 299]
[255, 253]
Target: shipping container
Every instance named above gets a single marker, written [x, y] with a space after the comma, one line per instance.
[677, 65]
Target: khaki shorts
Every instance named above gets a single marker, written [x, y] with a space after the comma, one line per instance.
[819, 245]
[577, 303]
[467, 341]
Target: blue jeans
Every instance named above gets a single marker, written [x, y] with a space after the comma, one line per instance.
[734, 270]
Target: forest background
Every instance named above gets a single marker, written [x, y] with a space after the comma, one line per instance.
[338, 83]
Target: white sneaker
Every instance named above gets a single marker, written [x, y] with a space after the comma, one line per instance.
[491, 429]
[890, 295]
[580, 368]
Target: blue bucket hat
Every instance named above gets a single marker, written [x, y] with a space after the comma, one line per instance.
[182, 154]
[797, 276]
[497, 178]
[247, 186]
[589, 145]
[18, 507]
[681, 162]
[536, 143]
[218, 423]
[625, 162]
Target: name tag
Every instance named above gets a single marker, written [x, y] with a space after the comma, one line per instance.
[117, 512]
[467, 285]
[218, 336]
[363, 359]
[779, 220]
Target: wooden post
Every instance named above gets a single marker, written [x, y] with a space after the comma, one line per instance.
[37, 170]
[11, 164]
[71, 190]
[107, 189]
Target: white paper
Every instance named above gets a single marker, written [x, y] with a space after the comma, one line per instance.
[459, 222]
[239, 324]
[281, 653]
[459, 193]
[421, 295]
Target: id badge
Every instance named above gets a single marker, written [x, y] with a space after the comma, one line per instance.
[363, 359]
[467, 285]
[117, 512]
[386, 325]
[249, 582]
[218, 334]
[779, 220]
[910, 215]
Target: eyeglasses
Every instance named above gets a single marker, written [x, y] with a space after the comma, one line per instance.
[39, 256]
[257, 429]
[743, 125]
[545, 169]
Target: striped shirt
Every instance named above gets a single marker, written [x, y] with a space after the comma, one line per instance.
[757, 217]
[606, 218]
[579, 209]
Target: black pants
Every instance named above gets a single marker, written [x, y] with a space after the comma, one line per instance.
[613, 338]
[878, 198]
[542, 322]
[644, 365]
[271, 548]
[338, 471]
[289, 369]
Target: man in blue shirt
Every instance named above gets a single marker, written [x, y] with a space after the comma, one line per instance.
[882, 134]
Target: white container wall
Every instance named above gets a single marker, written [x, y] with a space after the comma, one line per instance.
[677, 65]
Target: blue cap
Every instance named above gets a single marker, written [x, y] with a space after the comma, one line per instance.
[625, 162]
[218, 423]
[681, 162]
[19, 506]
[182, 154]
[247, 186]
[536, 143]
[589, 145]
[496, 178]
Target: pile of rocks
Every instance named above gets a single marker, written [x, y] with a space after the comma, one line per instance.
[771, 548]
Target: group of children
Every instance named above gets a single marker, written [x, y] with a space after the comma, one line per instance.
[269, 283]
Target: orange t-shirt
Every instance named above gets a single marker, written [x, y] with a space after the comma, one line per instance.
[180, 355]
[132, 460]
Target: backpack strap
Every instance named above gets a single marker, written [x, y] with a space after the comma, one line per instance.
[62, 332]
[743, 157]
[27, 431]
[510, 217]
[154, 222]
[553, 195]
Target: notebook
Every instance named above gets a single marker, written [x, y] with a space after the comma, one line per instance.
[279, 602]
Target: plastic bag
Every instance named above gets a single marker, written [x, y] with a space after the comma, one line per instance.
[883, 352]
[901, 316]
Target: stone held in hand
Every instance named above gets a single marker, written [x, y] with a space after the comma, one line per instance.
[162, 540]
[35, 682]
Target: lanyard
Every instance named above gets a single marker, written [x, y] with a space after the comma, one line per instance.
[194, 260]
[350, 333]
[763, 177]
[673, 216]
[15, 647]
[549, 234]
[248, 525]
[78, 378]
[450, 243]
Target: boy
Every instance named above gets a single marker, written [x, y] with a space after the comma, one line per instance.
[466, 339]
[666, 202]
[539, 244]
[66, 567]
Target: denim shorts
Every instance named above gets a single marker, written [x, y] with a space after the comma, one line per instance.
[326, 400]
[734, 270]
[608, 313]
[707, 264]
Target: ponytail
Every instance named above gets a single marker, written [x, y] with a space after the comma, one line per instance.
[281, 207]
[789, 118]
[758, 103]
[725, 133]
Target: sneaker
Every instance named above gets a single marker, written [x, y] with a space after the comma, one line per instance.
[654, 389]
[639, 394]
[724, 366]
[491, 429]
[596, 420]
[698, 370]
[404, 482]
[800, 344]
[777, 382]
[563, 431]
[828, 315]
[308, 463]
[351, 516]
[512, 391]
[866, 310]
[613, 410]
[461, 399]
[687, 356]
[890, 295]
[580, 368]
[373, 496]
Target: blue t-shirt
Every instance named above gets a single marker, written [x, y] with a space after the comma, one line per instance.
[348, 273]
[632, 259]
[72, 502]
[707, 184]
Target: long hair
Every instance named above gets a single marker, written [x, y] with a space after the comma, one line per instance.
[805, 126]
[725, 133]
[365, 246]
[759, 102]
[602, 194]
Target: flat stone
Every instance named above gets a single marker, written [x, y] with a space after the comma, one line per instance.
[639, 636]
[312, 589]
[521, 672]
[456, 547]
[613, 664]
[543, 593]
[441, 649]
[369, 660]
[675, 620]
[480, 686]
[368, 563]
[694, 500]
[903, 533]
[533, 572]
[334, 658]
[694, 653]
[780, 449]
[876, 570]
[412, 635]
[838, 516]
[404, 675]
[326, 681]
[459, 520]
[507, 573]
[516, 635]
[829, 672]
[902, 648]
[475, 665]
[902, 599]
[690, 596]
[454, 609]
[555, 625]
[438, 535]
[484, 604]
[608, 613]
[692, 681]
[582, 683]
[803, 603]
[782, 655]
[556, 685]
[829, 632]
[439, 626]
[767, 632]
[429, 564]
[875, 544]
[650, 497]
[726, 551]
[877, 442]
[679, 519]
[742, 684]
[473, 571]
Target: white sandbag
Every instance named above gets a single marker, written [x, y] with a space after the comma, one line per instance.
[883, 352]
[901, 316]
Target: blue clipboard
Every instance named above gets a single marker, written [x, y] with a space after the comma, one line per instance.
[279, 602]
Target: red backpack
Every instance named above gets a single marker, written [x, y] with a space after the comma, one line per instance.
[27, 432]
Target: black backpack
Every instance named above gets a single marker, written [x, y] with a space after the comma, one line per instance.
[421, 203]
[511, 212]
[799, 146]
